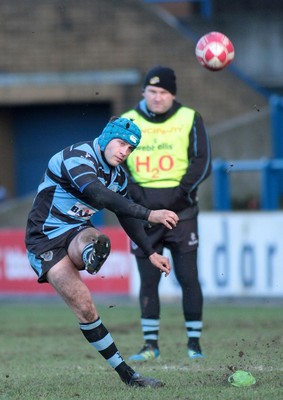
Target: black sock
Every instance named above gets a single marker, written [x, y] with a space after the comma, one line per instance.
[152, 343]
[100, 338]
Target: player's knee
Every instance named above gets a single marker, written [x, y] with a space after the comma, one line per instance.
[88, 313]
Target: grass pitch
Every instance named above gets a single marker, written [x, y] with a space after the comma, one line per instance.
[43, 354]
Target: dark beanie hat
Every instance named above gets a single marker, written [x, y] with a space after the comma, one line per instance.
[162, 77]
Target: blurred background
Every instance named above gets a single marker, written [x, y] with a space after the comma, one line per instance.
[66, 66]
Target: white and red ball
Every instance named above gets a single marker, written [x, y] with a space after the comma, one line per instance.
[214, 51]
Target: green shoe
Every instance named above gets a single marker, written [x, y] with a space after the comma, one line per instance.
[241, 378]
[147, 353]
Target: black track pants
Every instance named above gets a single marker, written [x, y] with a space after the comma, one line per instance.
[185, 268]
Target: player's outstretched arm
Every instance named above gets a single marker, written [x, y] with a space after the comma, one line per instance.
[160, 262]
[165, 217]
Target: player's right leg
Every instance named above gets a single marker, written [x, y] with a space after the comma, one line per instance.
[66, 280]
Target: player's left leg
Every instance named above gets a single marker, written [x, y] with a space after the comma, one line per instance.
[89, 249]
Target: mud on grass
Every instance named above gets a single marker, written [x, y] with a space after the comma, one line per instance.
[43, 354]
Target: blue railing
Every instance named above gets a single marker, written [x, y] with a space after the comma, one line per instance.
[205, 5]
[270, 171]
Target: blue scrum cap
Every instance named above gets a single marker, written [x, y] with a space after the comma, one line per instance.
[120, 128]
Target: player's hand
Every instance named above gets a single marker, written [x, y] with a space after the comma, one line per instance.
[165, 217]
[160, 262]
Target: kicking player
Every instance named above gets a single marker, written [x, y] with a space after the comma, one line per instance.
[60, 239]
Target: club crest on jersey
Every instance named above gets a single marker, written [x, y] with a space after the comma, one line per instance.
[114, 187]
[88, 157]
[47, 256]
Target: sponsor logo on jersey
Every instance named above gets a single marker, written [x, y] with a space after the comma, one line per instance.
[81, 211]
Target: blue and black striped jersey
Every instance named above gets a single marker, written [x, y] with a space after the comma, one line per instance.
[60, 203]
[78, 182]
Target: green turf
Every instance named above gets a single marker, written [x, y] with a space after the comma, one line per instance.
[43, 354]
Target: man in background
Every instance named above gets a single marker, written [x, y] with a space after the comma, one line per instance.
[172, 160]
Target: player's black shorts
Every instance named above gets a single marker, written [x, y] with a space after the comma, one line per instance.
[181, 239]
[49, 252]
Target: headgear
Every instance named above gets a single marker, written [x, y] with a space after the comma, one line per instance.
[120, 128]
[162, 77]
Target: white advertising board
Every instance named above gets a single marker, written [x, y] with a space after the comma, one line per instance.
[240, 254]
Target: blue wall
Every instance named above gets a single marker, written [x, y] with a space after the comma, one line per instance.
[41, 131]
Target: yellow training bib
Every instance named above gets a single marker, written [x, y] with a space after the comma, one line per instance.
[161, 159]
